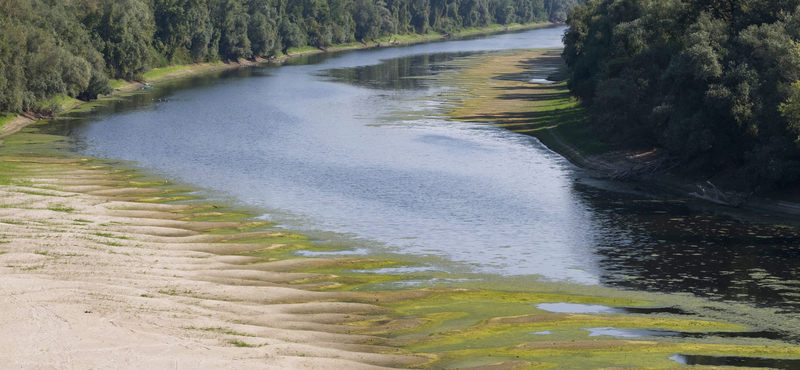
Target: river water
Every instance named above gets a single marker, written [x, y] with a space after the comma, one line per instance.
[354, 144]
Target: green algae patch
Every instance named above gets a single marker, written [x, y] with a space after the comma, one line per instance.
[634, 349]
[166, 199]
[28, 140]
[480, 305]
[6, 118]
[507, 331]
[206, 211]
[345, 271]
[271, 246]
[343, 283]
[196, 214]
[10, 172]
[353, 275]
[596, 354]
[497, 89]
[269, 238]
[242, 227]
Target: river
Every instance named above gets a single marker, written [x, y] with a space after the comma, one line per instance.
[352, 146]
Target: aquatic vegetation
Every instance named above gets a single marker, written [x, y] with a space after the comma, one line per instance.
[448, 326]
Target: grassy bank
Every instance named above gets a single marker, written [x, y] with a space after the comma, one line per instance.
[143, 250]
[127, 249]
[216, 283]
[64, 103]
[497, 89]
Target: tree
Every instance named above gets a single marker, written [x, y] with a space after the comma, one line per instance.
[291, 35]
[368, 20]
[711, 81]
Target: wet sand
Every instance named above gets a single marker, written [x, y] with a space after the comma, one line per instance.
[90, 279]
[97, 270]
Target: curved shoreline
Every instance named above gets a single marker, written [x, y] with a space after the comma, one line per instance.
[187, 70]
[523, 111]
[99, 272]
[96, 272]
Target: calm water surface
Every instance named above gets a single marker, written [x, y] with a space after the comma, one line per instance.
[352, 143]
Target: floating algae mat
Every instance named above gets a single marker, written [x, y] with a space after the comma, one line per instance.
[468, 327]
[469, 320]
[737, 361]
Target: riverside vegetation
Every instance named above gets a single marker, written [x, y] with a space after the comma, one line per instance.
[714, 83]
[215, 284]
[51, 50]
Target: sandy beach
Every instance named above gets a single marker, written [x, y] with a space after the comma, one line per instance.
[103, 268]
[90, 279]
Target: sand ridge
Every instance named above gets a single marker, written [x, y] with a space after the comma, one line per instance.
[91, 281]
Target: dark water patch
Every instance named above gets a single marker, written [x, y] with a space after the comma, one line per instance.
[655, 310]
[394, 74]
[683, 246]
[744, 334]
[773, 363]
[636, 333]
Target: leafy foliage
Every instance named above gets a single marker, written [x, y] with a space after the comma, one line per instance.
[712, 81]
[52, 48]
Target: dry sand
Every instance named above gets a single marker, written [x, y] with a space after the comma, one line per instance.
[89, 281]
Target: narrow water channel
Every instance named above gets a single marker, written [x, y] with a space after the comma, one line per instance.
[354, 143]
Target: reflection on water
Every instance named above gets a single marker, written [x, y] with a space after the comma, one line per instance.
[352, 143]
[736, 361]
[629, 333]
[577, 308]
[393, 74]
[675, 246]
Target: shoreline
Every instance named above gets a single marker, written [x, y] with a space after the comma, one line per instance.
[116, 281]
[186, 70]
[102, 268]
[96, 270]
[555, 121]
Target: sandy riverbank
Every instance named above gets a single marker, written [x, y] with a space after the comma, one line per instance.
[97, 271]
[89, 279]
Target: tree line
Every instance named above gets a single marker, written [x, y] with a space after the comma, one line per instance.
[72, 47]
[713, 81]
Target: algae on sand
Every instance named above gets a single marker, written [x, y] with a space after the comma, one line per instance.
[452, 327]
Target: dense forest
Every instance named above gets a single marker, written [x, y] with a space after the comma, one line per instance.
[712, 81]
[72, 47]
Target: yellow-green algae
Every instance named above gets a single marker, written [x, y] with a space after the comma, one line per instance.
[455, 327]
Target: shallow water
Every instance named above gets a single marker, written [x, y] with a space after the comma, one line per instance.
[578, 308]
[354, 143]
[629, 333]
[736, 361]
